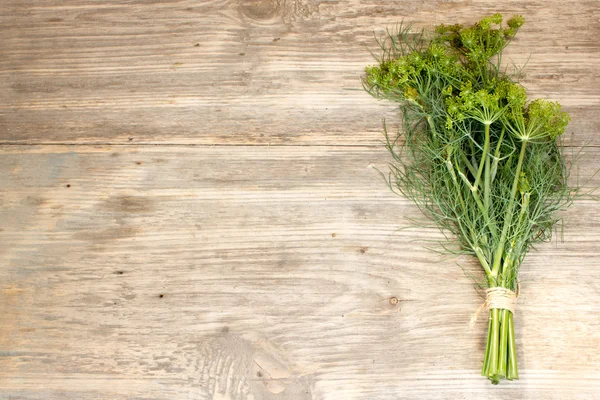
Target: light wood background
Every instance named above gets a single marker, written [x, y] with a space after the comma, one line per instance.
[190, 209]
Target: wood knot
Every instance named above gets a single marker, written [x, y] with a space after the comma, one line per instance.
[393, 301]
[260, 10]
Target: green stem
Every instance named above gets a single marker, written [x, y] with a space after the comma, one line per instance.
[487, 182]
[502, 362]
[500, 353]
[477, 199]
[432, 127]
[509, 213]
[484, 156]
[513, 371]
[450, 168]
[486, 359]
[484, 163]
[466, 161]
[482, 259]
[497, 154]
[492, 371]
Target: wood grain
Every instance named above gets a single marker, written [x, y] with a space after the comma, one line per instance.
[144, 272]
[190, 209]
[249, 71]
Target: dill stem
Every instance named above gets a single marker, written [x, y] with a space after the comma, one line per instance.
[492, 371]
[500, 352]
[509, 213]
[513, 371]
[432, 127]
[450, 168]
[484, 156]
[481, 258]
[465, 160]
[502, 362]
[487, 176]
[477, 199]
[484, 163]
[486, 359]
[497, 153]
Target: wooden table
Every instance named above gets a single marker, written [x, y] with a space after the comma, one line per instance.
[190, 209]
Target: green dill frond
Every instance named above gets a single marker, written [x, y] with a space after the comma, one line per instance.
[476, 156]
[473, 154]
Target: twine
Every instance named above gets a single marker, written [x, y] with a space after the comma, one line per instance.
[497, 297]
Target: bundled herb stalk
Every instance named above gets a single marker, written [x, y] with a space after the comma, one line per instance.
[475, 155]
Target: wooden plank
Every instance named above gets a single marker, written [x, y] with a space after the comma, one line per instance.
[182, 272]
[249, 72]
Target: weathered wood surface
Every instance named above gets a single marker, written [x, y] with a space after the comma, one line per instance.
[249, 71]
[265, 273]
[148, 253]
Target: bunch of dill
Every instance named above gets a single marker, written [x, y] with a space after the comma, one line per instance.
[475, 155]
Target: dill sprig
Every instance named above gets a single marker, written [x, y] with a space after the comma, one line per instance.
[475, 155]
